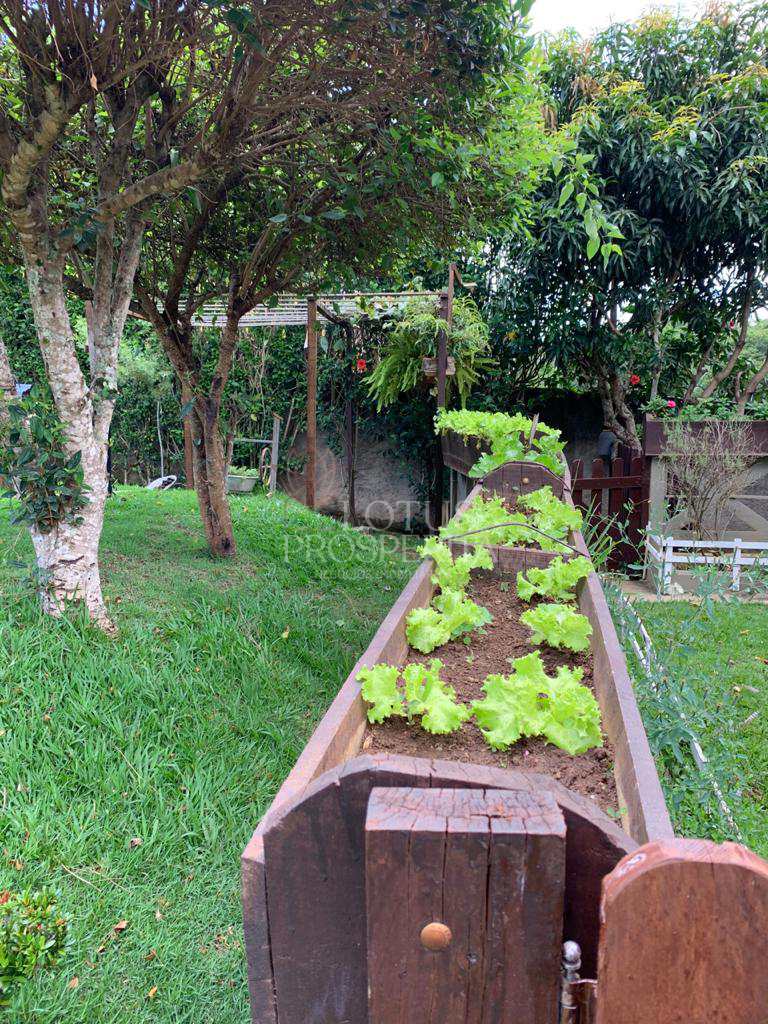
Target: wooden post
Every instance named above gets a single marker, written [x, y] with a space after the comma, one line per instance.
[684, 936]
[311, 465]
[350, 429]
[464, 895]
[274, 452]
[446, 313]
[736, 566]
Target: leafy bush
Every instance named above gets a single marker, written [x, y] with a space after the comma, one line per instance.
[509, 438]
[528, 702]
[559, 626]
[32, 937]
[415, 335]
[35, 467]
[243, 471]
[557, 581]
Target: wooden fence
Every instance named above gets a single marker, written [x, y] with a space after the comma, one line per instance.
[615, 501]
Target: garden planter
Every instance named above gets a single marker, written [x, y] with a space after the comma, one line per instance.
[240, 484]
[312, 915]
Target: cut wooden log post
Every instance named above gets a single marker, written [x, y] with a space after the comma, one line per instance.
[684, 936]
[464, 897]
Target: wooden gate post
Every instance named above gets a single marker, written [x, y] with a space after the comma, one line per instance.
[464, 897]
[684, 936]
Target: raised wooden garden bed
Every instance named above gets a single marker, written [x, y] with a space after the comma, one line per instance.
[304, 876]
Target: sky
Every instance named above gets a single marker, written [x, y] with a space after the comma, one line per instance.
[588, 16]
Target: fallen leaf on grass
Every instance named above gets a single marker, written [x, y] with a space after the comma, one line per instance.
[152, 992]
[73, 982]
[120, 927]
[151, 955]
[136, 841]
[285, 633]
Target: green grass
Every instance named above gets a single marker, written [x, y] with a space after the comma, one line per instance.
[177, 733]
[720, 653]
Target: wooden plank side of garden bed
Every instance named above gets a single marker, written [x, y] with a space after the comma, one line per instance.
[315, 875]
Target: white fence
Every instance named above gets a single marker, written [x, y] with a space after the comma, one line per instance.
[666, 554]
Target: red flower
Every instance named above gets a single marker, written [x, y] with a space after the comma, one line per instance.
[671, 404]
[361, 365]
[634, 379]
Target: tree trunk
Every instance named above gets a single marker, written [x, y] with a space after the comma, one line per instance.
[210, 473]
[616, 412]
[67, 557]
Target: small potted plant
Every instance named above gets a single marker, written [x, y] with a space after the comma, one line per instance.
[241, 479]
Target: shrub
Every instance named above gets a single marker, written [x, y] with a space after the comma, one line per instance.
[32, 937]
[707, 469]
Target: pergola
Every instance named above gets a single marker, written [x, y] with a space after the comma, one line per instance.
[291, 310]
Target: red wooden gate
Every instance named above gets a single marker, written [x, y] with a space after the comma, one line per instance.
[615, 501]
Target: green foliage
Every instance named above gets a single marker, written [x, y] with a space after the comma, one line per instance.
[573, 719]
[528, 702]
[451, 614]
[426, 629]
[551, 515]
[558, 581]
[486, 514]
[35, 466]
[32, 937]
[434, 700]
[243, 471]
[460, 613]
[509, 438]
[414, 335]
[379, 689]
[559, 626]
[425, 694]
[453, 574]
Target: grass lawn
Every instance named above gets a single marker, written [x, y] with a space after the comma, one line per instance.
[722, 656]
[134, 770]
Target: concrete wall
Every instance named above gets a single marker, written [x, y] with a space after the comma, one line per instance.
[387, 495]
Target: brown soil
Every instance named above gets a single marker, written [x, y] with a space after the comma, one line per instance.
[465, 667]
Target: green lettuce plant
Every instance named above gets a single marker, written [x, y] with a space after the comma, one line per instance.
[509, 438]
[426, 629]
[428, 696]
[450, 573]
[557, 581]
[559, 626]
[528, 702]
[549, 514]
[424, 695]
[379, 688]
[489, 512]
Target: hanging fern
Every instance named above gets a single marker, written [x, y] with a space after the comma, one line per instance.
[415, 335]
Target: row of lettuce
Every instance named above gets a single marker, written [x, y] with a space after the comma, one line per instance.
[527, 702]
